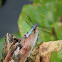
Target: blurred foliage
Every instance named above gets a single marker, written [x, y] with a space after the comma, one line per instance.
[48, 14]
[58, 30]
[2, 40]
[0, 3]
[57, 56]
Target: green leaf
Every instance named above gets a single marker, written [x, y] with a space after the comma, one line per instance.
[23, 27]
[56, 56]
[46, 13]
[2, 40]
[58, 30]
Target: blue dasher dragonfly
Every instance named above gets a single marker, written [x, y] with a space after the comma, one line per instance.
[34, 26]
[40, 28]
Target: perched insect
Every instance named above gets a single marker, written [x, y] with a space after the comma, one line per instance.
[18, 50]
[34, 26]
[42, 28]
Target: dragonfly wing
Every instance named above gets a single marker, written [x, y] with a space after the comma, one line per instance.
[47, 30]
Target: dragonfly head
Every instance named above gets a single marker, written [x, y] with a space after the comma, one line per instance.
[37, 23]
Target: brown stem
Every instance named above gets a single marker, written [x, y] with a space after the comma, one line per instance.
[10, 53]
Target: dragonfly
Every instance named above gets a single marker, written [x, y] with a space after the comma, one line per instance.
[34, 26]
[42, 28]
[18, 50]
